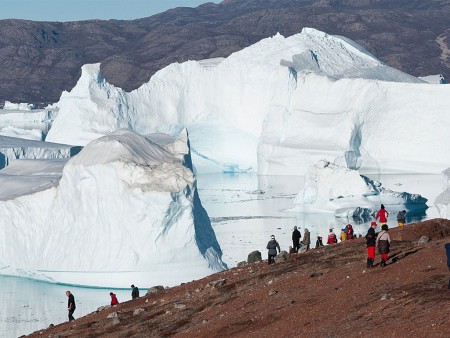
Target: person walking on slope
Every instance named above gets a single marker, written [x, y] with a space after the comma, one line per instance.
[134, 292]
[370, 244]
[70, 305]
[306, 239]
[272, 246]
[382, 214]
[296, 239]
[383, 243]
[331, 237]
[114, 300]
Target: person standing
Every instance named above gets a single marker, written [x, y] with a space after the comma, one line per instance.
[370, 244]
[306, 239]
[296, 239]
[70, 305]
[383, 243]
[114, 300]
[382, 214]
[401, 218]
[134, 292]
[272, 246]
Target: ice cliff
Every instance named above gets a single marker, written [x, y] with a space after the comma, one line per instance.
[275, 107]
[126, 210]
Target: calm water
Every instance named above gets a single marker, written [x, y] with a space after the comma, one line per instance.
[244, 210]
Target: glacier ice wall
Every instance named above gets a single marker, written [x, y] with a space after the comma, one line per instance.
[275, 107]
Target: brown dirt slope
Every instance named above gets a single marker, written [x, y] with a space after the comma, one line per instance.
[325, 292]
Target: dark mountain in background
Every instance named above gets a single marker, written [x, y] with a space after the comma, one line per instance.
[38, 60]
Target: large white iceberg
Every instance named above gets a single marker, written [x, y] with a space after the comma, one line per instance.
[126, 210]
[276, 107]
[336, 189]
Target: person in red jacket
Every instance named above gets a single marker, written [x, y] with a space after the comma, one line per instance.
[331, 237]
[114, 300]
[382, 214]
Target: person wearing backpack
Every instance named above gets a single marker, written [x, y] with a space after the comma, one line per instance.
[332, 239]
[370, 244]
[401, 218]
[272, 246]
[383, 243]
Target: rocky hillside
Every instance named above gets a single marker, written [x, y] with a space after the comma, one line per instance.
[326, 292]
[38, 60]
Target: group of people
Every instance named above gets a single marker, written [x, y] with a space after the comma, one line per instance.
[381, 240]
[114, 301]
[296, 243]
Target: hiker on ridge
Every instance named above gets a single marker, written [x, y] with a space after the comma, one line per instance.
[382, 214]
[114, 300]
[134, 292]
[272, 246]
[70, 305]
[331, 237]
[306, 239]
[401, 218]
[383, 243]
[370, 244]
[296, 239]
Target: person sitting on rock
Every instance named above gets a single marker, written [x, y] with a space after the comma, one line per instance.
[319, 242]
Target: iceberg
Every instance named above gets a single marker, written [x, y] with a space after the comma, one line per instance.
[12, 148]
[124, 210]
[442, 202]
[275, 108]
[332, 188]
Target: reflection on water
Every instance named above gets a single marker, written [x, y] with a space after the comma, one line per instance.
[244, 209]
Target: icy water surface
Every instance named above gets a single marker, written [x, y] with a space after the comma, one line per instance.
[244, 210]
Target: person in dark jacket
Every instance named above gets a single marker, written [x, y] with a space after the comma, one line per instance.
[383, 243]
[319, 242]
[272, 246]
[296, 239]
[134, 291]
[114, 300]
[370, 244]
[70, 305]
[447, 250]
[401, 218]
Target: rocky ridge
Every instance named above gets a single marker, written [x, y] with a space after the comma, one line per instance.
[325, 292]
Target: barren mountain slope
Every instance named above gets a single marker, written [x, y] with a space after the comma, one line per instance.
[38, 60]
[326, 292]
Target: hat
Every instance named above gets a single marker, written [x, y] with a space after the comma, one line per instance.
[373, 223]
[272, 237]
